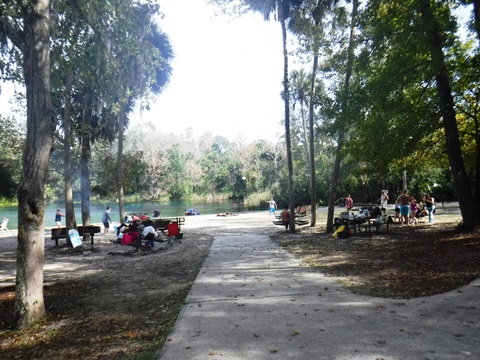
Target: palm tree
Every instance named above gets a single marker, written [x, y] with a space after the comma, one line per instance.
[300, 90]
[157, 40]
[308, 21]
[283, 9]
[343, 118]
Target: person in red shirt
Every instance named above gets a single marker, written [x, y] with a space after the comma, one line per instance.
[348, 203]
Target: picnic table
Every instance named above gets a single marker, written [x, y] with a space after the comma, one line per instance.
[364, 225]
[367, 226]
[61, 233]
[299, 221]
[161, 224]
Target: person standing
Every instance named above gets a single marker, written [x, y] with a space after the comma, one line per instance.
[383, 200]
[106, 220]
[397, 211]
[285, 217]
[348, 203]
[404, 202]
[58, 217]
[413, 211]
[273, 206]
[430, 206]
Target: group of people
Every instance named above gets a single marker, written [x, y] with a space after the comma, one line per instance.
[134, 226]
[284, 214]
[408, 210]
[106, 219]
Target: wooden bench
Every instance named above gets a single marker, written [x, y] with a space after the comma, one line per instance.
[298, 222]
[303, 210]
[61, 233]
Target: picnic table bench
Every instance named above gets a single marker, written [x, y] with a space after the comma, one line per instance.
[302, 221]
[367, 226]
[61, 233]
[361, 223]
[161, 224]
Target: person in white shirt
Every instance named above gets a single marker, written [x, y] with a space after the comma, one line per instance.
[273, 206]
[383, 200]
[149, 233]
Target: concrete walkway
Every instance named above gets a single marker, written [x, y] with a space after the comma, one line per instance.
[253, 300]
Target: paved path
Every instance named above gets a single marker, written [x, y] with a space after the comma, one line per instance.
[254, 301]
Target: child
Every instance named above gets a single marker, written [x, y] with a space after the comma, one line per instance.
[397, 211]
[58, 217]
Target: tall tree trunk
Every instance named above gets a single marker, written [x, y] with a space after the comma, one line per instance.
[454, 150]
[291, 188]
[120, 194]
[313, 179]
[70, 221]
[343, 119]
[85, 187]
[29, 301]
[306, 137]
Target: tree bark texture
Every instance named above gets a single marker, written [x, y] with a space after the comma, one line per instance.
[29, 302]
[121, 196]
[311, 134]
[70, 221]
[459, 175]
[291, 187]
[85, 187]
[343, 119]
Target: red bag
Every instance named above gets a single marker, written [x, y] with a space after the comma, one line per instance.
[130, 238]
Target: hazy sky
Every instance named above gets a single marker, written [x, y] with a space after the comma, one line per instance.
[227, 74]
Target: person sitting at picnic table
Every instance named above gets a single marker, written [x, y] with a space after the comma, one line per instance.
[135, 217]
[285, 217]
[149, 233]
[135, 226]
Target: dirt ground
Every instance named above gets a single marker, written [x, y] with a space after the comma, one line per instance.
[108, 303]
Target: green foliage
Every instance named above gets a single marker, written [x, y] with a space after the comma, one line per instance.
[176, 174]
[12, 141]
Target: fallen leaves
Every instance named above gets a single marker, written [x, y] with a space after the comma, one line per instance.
[404, 263]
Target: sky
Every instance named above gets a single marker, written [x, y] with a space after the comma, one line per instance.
[226, 79]
[227, 74]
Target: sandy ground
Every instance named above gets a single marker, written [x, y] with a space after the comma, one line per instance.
[78, 263]
[109, 303]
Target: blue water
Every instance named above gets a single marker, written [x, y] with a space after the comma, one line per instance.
[167, 208]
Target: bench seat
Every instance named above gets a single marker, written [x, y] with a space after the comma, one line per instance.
[61, 233]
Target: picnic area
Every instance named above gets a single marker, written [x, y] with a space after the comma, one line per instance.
[115, 304]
